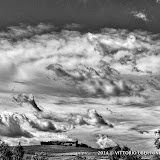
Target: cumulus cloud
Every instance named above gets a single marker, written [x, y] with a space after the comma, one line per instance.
[91, 117]
[105, 142]
[18, 125]
[10, 126]
[46, 126]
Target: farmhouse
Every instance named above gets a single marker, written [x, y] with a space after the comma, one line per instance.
[62, 143]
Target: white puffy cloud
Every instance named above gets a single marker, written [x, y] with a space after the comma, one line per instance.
[46, 126]
[10, 126]
[105, 142]
[91, 117]
[95, 119]
[19, 125]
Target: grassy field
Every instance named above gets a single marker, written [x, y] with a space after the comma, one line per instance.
[51, 149]
[57, 152]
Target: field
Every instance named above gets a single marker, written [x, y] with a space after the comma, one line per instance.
[56, 152]
[62, 152]
[55, 149]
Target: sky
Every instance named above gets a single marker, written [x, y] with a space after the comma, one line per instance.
[94, 14]
[92, 66]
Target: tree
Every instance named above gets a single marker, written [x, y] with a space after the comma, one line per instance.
[18, 152]
[7, 153]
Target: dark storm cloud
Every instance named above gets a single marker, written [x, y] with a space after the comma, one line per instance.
[92, 13]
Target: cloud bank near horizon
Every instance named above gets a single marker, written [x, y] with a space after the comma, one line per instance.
[17, 126]
[89, 118]
[32, 129]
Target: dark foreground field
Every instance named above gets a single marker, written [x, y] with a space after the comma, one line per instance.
[56, 152]
[55, 149]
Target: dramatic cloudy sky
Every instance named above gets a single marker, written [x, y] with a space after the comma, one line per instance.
[144, 14]
[85, 81]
